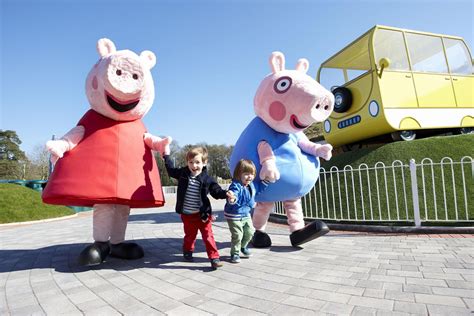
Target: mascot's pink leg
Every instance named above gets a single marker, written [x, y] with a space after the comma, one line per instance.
[120, 220]
[102, 221]
[260, 215]
[260, 219]
[294, 213]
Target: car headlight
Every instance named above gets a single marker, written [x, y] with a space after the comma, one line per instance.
[327, 126]
[373, 108]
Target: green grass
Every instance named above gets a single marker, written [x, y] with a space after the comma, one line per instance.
[368, 196]
[20, 204]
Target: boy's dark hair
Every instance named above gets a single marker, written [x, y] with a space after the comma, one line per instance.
[193, 152]
[244, 165]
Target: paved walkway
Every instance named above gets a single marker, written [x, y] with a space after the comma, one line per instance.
[340, 273]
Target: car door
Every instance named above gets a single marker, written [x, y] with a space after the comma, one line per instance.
[395, 82]
[460, 68]
[433, 84]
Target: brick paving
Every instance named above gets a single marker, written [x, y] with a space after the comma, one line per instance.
[342, 273]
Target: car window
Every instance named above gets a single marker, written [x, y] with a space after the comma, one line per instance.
[426, 53]
[459, 59]
[354, 73]
[390, 44]
[331, 77]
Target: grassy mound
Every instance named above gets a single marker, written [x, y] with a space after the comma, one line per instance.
[378, 194]
[20, 204]
[435, 148]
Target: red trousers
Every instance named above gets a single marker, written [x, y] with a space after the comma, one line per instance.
[192, 223]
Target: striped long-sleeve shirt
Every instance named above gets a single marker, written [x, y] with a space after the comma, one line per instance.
[192, 198]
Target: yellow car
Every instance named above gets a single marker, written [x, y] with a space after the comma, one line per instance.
[398, 82]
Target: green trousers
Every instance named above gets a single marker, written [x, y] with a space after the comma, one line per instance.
[241, 233]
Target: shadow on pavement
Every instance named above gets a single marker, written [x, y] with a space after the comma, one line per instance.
[160, 253]
[285, 248]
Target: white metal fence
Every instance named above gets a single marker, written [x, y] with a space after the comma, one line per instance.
[423, 192]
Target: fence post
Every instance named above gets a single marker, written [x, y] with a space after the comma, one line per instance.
[414, 190]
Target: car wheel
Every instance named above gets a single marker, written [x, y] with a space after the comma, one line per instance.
[342, 99]
[404, 135]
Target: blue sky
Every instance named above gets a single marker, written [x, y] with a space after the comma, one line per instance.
[211, 55]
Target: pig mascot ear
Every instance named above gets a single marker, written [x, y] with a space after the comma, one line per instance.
[105, 47]
[148, 58]
[277, 62]
[302, 65]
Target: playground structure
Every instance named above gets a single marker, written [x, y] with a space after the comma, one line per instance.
[398, 82]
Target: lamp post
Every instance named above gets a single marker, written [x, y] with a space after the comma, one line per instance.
[50, 164]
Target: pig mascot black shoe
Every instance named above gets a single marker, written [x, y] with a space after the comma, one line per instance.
[261, 240]
[106, 161]
[94, 254]
[309, 232]
[127, 250]
[286, 103]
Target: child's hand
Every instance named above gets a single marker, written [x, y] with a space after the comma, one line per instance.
[231, 197]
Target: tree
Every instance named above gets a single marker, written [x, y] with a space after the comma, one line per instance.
[164, 177]
[219, 157]
[38, 166]
[12, 158]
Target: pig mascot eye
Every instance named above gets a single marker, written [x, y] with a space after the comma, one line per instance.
[282, 84]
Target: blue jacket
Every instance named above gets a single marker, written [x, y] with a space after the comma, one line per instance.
[298, 170]
[245, 201]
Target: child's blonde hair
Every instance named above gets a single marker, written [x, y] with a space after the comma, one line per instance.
[244, 165]
[193, 152]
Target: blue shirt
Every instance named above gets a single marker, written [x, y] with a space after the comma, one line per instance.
[299, 171]
[245, 201]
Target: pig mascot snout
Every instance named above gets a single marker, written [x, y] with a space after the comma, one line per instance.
[286, 103]
[106, 161]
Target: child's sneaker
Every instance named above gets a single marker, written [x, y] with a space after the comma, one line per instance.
[235, 258]
[246, 252]
[216, 263]
[188, 256]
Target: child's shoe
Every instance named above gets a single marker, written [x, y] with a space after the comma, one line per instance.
[235, 258]
[246, 252]
[216, 263]
[188, 256]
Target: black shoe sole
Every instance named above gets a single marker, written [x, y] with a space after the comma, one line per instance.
[311, 231]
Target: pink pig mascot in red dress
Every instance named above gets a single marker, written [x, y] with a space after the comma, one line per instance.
[106, 161]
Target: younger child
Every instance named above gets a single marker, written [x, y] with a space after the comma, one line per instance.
[237, 209]
[194, 184]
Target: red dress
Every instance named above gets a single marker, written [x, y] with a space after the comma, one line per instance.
[110, 165]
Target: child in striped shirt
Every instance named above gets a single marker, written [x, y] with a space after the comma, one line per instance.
[194, 184]
[237, 210]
